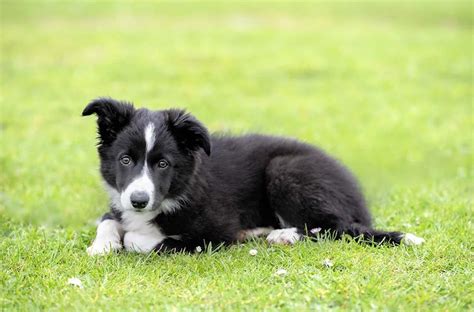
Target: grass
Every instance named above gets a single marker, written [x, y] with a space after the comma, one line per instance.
[386, 87]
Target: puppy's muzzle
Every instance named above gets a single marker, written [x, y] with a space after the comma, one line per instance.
[139, 200]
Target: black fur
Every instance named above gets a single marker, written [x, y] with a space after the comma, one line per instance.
[113, 116]
[232, 183]
[188, 131]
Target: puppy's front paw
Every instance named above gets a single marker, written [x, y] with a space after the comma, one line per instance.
[100, 247]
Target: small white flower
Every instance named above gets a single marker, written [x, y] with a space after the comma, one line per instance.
[281, 272]
[198, 249]
[253, 252]
[315, 230]
[327, 263]
[316, 277]
[75, 282]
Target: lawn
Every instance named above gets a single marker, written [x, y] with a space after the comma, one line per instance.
[386, 87]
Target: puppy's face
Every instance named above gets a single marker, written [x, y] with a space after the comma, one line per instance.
[147, 158]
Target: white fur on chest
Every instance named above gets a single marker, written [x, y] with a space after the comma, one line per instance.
[141, 235]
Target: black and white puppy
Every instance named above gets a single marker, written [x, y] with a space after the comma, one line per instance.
[174, 187]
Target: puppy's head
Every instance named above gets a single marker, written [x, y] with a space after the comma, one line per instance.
[147, 157]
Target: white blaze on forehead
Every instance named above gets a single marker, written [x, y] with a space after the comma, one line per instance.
[143, 182]
[150, 136]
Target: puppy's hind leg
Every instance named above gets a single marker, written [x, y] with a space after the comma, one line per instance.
[254, 233]
[311, 191]
[109, 237]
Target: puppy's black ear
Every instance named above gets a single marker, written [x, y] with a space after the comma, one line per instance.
[188, 131]
[112, 117]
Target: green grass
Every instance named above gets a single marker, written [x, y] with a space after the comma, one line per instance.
[386, 87]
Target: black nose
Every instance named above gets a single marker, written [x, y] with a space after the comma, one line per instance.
[139, 199]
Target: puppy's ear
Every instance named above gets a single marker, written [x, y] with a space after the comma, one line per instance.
[188, 131]
[112, 117]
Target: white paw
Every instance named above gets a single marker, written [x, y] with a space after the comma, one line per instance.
[100, 247]
[142, 243]
[284, 236]
[412, 240]
[255, 232]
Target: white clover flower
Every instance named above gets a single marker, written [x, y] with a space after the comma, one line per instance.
[315, 230]
[327, 263]
[281, 272]
[253, 252]
[75, 282]
[198, 249]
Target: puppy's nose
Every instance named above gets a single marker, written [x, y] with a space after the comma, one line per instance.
[139, 199]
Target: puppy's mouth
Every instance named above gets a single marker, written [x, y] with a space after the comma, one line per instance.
[144, 210]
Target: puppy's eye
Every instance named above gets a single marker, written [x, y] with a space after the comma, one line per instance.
[125, 160]
[163, 164]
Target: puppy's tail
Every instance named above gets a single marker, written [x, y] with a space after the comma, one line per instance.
[369, 235]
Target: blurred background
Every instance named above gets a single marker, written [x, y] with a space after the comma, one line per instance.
[384, 86]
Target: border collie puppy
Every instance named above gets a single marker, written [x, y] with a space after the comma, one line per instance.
[174, 187]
